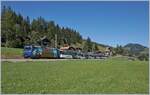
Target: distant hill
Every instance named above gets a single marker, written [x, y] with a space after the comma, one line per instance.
[136, 48]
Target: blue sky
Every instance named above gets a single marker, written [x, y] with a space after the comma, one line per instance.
[108, 23]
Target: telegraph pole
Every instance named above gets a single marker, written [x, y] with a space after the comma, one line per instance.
[93, 47]
[55, 40]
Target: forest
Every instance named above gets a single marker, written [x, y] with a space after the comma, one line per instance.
[18, 31]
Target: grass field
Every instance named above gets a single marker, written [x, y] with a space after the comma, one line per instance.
[115, 75]
[11, 52]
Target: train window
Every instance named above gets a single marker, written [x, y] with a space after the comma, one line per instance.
[27, 48]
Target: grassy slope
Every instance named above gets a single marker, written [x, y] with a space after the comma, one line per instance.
[82, 76]
[11, 52]
[101, 48]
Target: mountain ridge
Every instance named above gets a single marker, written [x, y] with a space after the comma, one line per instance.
[136, 48]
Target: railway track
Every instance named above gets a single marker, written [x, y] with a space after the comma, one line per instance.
[25, 60]
[42, 60]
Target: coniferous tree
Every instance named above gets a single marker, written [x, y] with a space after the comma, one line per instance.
[88, 45]
[18, 31]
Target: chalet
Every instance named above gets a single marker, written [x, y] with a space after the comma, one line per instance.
[108, 51]
[43, 41]
[67, 48]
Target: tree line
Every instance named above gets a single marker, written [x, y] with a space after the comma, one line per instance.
[17, 31]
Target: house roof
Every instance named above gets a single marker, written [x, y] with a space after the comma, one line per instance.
[64, 48]
[67, 48]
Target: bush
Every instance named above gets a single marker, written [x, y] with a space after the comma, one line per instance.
[143, 57]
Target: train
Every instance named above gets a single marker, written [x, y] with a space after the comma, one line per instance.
[36, 52]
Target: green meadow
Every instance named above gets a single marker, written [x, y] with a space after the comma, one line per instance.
[113, 75]
[11, 52]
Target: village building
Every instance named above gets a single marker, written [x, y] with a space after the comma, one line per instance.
[108, 51]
